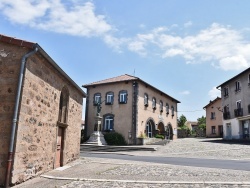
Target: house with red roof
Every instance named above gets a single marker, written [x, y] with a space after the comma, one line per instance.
[131, 107]
[40, 112]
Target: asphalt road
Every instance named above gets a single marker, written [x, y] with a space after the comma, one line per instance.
[209, 163]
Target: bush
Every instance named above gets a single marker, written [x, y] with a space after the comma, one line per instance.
[114, 138]
[159, 136]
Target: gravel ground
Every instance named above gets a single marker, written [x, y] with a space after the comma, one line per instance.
[97, 172]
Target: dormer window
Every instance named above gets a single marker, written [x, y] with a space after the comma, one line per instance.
[123, 97]
[145, 99]
[161, 106]
[237, 86]
[154, 103]
[167, 108]
[109, 98]
[97, 98]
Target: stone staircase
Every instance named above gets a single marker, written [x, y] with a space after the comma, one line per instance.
[108, 148]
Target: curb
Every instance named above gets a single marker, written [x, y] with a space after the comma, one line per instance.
[148, 182]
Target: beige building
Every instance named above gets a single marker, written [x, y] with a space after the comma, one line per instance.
[40, 112]
[214, 113]
[131, 107]
[192, 125]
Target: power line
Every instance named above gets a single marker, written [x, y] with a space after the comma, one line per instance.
[191, 111]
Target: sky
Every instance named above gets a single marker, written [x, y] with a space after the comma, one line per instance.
[183, 48]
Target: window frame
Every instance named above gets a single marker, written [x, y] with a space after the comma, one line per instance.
[110, 119]
[146, 99]
[161, 106]
[226, 91]
[172, 110]
[154, 103]
[237, 86]
[167, 108]
[213, 129]
[94, 98]
[123, 94]
[109, 94]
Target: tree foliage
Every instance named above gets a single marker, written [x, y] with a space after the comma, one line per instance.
[202, 122]
[181, 121]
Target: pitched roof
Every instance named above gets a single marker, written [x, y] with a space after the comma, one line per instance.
[248, 69]
[32, 46]
[212, 102]
[123, 78]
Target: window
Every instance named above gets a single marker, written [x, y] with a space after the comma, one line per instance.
[145, 99]
[226, 91]
[108, 123]
[97, 98]
[123, 97]
[238, 104]
[63, 106]
[249, 79]
[161, 106]
[109, 98]
[212, 115]
[154, 103]
[226, 113]
[213, 130]
[167, 108]
[238, 111]
[237, 86]
[172, 109]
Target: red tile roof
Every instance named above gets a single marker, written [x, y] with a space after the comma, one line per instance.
[121, 78]
[18, 42]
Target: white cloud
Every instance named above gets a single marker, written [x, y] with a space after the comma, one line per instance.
[220, 45]
[188, 24]
[186, 92]
[52, 15]
[213, 93]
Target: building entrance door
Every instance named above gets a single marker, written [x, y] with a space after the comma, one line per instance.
[59, 147]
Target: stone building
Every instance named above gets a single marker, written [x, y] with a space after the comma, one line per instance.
[131, 107]
[40, 112]
[214, 125]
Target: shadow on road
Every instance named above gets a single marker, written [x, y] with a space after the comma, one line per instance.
[221, 141]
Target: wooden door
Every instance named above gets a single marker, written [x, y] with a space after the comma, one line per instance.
[59, 146]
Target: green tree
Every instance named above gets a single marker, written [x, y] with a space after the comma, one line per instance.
[202, 122]
[181, 121]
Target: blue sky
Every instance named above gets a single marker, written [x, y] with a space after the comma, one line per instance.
[184, 48]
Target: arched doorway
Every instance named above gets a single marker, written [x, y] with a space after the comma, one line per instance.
[169, 132]
[150, 128]
[161, 128]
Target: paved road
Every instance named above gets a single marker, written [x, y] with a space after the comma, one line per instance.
[209, 163]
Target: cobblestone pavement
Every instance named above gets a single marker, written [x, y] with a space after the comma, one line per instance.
[97, 172]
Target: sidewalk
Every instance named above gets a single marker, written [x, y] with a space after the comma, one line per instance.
[96, 172]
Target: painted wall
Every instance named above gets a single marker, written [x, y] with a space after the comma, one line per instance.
[122, 112]
[144, 113]
[215, 107]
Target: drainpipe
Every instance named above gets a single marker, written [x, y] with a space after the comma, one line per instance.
[14, 121]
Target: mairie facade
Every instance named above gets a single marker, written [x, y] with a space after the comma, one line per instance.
[132, 108]
[40, 112]
[235, 94]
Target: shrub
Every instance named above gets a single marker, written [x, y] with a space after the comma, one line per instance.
[114, 138]
[159, 136]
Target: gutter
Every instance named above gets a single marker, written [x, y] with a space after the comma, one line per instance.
[15, 117]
